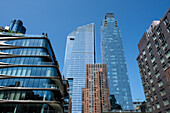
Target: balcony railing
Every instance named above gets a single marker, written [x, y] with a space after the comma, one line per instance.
[19, 34]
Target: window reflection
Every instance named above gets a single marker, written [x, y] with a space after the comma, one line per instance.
[28, 82]
[25, 51]
[32, 43]
[27, 95]
[29, 71]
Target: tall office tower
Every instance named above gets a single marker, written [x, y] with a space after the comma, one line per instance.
[113, 55]
[17, 26]
[95, 96]
[80, 50]
[30, 79]
[154, 65]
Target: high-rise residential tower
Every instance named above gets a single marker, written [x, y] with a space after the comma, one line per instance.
[30, 79]
[95, 96]
[113, 55]
[80, 50]
[154, 65]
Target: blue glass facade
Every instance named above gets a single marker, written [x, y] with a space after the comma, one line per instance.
[80, 50]
[113, 55]
[17, 26]
[30, 80]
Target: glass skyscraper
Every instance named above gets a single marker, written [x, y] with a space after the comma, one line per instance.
[80, 50]
[30, 80]
[17, 26]
[113, 55]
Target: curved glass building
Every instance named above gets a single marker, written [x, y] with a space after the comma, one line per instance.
[30, 79]
[80, 50]
[113, 55]
[17, 26]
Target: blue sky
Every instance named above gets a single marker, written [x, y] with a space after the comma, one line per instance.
[60, 17]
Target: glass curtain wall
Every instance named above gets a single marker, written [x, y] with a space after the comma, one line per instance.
[29, 76]
[80, 50]
[113, 55]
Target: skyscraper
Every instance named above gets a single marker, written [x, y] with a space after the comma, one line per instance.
[30, 79]
[113, 55]
[80, 50]
[17, 26]
[95, 96]
[154, 65]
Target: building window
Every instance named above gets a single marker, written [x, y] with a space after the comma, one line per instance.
[157, 105]
[150, 52]
[146, 94]
[165, 67]
[153, 88]
[156, 44]
[148, 45]
[148, 103]
[155, 97]
[161, 38]
[145, 59]
[166, 102]
[168, 111]
[149, 72]
[153, 107]
[151, 80]
[163, 93]
[164, 46]
[162, 60]
[71, 38]
[159, 52]
[167, 54]
[154, 37]
[166, 21]
[143, 52]
[157, 74]
[168, 28]
[141, 56]
[160, 84]
[113, 62]
[155, 66]
[149, 90]
[150, 109]
[145, 87]
[152, 59]
[147, 67]
[159, 31]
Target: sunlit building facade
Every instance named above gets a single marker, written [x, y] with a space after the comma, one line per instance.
[30, 79]
[80, 50]
[113, 55]
[95, 96]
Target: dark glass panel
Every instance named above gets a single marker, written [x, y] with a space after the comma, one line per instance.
[26, 108]
[10, 83]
